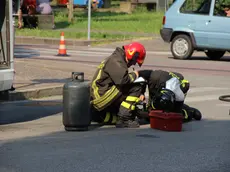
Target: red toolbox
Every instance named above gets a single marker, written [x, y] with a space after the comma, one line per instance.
[167, 121]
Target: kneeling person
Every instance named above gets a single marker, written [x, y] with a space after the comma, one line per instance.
[113, 92]
[167, 91]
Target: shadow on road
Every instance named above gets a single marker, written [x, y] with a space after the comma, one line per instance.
[21, 52]
[204, 58]
[41, 81]
[24, 111]
[63, 80]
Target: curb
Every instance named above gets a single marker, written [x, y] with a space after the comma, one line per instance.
[32, 93]
[51, 41]
[68, 42]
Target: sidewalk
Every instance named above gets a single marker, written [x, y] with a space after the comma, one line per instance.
[42, 78]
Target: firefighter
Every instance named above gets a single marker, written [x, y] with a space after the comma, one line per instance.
[167, 91]
[113, 91]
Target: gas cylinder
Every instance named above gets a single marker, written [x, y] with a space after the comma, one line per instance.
[76, 103]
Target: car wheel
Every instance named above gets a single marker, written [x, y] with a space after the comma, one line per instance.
[215, 55]
[181, 47]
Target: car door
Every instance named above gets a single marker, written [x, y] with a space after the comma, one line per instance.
[197, 18]
[218, 27]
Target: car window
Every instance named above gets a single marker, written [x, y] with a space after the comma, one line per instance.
[201, 7]
[222, 8]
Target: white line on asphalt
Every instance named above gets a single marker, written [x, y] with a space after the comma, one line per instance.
[101, 49]
[111, 50]
[56, 58]
[48, 51]
[201, 98]
[37, 50]
[46, 57]
[44, 54]
[226, 104]
[205, 89]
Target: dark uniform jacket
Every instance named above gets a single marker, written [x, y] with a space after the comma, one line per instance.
[156, 79]
[110, 79]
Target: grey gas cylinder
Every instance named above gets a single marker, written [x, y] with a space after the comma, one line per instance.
[76, 103]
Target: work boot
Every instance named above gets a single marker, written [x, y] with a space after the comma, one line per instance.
[126, 119]
[127, 123]
[196, 114]
[142, 116]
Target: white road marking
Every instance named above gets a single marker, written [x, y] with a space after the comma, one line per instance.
[226, 104]
[103, 52]
[53, 58]
[205, 89]
[202, 98]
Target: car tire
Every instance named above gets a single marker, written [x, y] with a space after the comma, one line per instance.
[181, 47]
[214, 55]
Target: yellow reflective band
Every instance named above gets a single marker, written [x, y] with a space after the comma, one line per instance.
[132, 99]
[107, 117]
[106, 95]
[152, 106]
[106, 98]
[127, 105]
[114, 119]
[131, 77]
[185, 114]
[173, 75]
[163, 91]
[94, 85]
[100, 66]
[183, 82]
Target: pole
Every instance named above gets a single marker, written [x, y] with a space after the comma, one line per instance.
[70, 17]
[89, 19]
[165, 5]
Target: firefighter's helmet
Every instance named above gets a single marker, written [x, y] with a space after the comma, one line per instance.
[165, 100]
[135, 53]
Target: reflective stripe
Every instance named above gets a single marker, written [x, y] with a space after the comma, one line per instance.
[163, 91]
[132, 99]
[152, 105]
[131, 77]
[100, 101]
[114, 119]
[94, 85]
[127, 105]
[109, 93]
[183, 82]
[107, 117]
[174, 75]
[185, 114]
[106, 98]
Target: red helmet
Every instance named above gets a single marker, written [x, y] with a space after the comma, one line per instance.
[135, 52]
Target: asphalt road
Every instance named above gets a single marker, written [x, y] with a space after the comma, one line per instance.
[33, 139]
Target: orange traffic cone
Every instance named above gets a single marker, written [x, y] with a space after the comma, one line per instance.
[62, 47]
